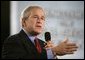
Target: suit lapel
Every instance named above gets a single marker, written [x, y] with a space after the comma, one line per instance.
[28, 45]
[30, 48]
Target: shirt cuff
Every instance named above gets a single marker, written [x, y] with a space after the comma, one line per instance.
[50, 54]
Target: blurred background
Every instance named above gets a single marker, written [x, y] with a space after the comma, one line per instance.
[63, 19]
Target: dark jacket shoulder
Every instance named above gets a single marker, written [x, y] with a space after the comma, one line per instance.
[19, 46]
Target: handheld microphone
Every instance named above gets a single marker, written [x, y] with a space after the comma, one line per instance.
[47, 36]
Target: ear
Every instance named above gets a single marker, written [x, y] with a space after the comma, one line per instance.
[23, 23]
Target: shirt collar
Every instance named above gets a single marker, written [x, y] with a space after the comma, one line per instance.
[29, 36]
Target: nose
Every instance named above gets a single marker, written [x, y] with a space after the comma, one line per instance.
[39, 20]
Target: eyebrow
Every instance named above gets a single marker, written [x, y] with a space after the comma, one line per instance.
[37, 15]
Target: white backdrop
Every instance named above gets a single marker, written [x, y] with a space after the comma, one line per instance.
[64, 19]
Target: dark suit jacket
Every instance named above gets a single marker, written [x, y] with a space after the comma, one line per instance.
[19, 46]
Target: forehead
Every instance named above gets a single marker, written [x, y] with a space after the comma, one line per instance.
[37, 11]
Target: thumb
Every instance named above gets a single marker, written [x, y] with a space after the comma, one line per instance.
[65, 40]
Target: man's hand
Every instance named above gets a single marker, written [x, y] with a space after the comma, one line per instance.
[64, 48]
[49, 44]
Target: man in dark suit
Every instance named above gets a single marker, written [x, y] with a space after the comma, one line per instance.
[23, 45]
[19, 46]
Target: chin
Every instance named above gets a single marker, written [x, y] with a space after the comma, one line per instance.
[38, 32]
[35, 33]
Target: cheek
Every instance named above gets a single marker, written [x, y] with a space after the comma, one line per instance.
[31, 24]
[43, 24]
[27, 24]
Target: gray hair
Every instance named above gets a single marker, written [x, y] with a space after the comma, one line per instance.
[26, 12]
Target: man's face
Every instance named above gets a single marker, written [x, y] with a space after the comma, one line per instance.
[35, 22]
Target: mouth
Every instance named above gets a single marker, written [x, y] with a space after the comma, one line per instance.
[38, 26]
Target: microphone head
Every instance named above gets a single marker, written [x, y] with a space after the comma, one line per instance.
[47, 36]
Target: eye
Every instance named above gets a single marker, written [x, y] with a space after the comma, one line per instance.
[42, 18]
[35, 17]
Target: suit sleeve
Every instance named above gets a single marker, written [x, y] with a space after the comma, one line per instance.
[12, 49]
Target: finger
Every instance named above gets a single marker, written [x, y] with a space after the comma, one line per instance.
[70, 47]
[49, 42]
[71, 44]
[45, 44]
[69, 52]
[74, 49]
[49, 46]
[65, 40]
